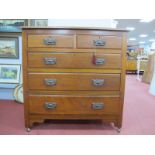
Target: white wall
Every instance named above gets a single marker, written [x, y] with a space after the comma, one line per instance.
[83, 23]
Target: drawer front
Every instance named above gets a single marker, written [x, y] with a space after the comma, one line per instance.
[73, 105]
[65, 41]
[73, 81]
[74, 60]
[94, 41]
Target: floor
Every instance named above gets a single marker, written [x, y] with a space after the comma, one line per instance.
[138, 117]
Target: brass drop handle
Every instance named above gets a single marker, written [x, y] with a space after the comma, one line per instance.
[50, 61]
[50, 82]
[98, 82]
[50, 105]
[49, 41]
[99, 42]
[97, 106]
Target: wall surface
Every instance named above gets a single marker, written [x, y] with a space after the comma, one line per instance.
[83, 23]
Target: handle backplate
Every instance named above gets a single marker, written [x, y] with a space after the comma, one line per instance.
[97, 106]
[99, 61]
[99, 42]
[50, 82]
[98, 82]
[50, 105]
[49, 41]
[50, 61]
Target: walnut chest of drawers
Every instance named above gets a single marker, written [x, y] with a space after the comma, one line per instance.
[73, 73]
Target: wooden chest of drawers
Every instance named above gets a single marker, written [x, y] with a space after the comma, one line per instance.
[73, 73]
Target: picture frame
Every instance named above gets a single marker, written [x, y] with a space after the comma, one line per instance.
[9, 47]
[12, 25]
[10, 74]
[38, 22]
[41, 22]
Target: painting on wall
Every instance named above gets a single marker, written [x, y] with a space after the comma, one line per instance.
[9, 47]
[9, 73]
[12, 25]
[38, 22]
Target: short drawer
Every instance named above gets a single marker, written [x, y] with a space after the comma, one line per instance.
[73, 81]
[74, 60]
[95, 41]
[73, 105]
[65, 41]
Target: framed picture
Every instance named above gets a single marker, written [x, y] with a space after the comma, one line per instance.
[12, 25]
[38, 22]
[9, 47]
[10, 73]
[41, 22]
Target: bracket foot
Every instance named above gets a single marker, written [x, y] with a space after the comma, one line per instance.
[116, 128]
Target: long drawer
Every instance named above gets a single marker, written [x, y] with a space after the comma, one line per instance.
[73, 81]
[54, 41]
[73, 105]
[74, 60]
[96, 41]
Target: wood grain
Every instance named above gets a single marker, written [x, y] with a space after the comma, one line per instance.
[51, 50]
[34, 28]
[61, 41]
[73, 105]
[87, 41]
[76, 93]
[25, 79]
[69, 70]
[74, 60]
[73, 81]
[122, 82]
